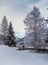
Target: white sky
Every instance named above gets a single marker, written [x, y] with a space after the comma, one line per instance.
[16, 11]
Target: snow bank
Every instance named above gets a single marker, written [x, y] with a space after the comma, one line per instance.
[11, 56]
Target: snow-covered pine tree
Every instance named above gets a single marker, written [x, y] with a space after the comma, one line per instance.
[4, 28]
[35, 26]
[11, 41]
[46, 40]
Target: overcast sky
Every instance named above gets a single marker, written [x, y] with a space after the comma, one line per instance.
[16, 11]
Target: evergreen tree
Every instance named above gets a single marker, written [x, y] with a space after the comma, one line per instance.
[4, 25]
[35, 26]
[10, 37]
[4, 28]
[46, 40]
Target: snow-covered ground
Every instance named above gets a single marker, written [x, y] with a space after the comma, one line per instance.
[11, 56]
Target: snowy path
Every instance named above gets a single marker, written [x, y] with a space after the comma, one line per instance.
[10, 56]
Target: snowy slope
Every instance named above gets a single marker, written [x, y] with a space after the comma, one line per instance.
[11, 56]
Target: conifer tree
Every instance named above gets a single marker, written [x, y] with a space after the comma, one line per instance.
[46, 40]
[35, 26]
[10, 37]
[4, 28]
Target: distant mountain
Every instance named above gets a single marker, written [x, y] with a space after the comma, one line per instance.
[20, 40]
